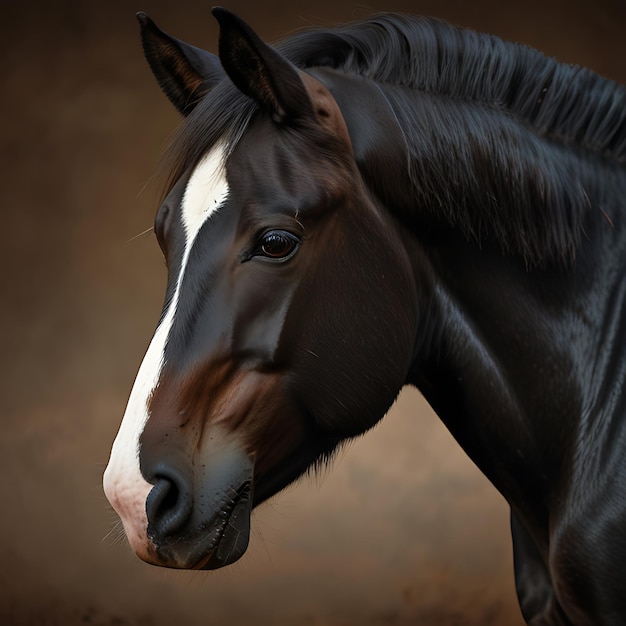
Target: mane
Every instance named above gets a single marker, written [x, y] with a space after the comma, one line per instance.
[503, 142]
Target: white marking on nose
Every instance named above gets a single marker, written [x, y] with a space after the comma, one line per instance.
[124, 485]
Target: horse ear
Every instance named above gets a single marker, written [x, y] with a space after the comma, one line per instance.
[184, 73]
[260, 71]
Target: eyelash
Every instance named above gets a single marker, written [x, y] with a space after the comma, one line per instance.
[274, 239]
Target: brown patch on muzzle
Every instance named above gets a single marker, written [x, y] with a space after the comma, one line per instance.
[243, 402]
[211, 435]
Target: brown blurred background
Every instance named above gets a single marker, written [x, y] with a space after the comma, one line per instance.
[403, 529]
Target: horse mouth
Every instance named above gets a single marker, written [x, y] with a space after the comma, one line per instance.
[218, 542]
[233, 531]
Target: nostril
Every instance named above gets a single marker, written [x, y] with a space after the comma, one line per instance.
[168, 507]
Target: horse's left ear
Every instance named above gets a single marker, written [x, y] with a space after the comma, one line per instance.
[260, 71]
[184, 73]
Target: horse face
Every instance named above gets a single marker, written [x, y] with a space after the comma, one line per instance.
[286, 328]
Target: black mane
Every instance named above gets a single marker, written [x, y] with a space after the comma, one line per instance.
[503, 141]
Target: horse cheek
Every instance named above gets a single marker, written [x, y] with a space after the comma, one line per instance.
[355, 326]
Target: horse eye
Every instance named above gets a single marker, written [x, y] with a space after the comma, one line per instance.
[277, 245]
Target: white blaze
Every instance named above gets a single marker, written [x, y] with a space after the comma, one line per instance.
[124, 485]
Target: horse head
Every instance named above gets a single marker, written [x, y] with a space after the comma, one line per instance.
[289, 317]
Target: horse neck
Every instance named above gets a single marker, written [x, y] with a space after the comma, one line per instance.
[518, 362]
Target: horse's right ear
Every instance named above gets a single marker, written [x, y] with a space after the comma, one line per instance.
[184, 73]
[260, 71]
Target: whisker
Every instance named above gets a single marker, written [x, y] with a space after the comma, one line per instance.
[145, 232]
[116, 534]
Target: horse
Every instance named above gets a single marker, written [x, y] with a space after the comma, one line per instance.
[391, 202]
